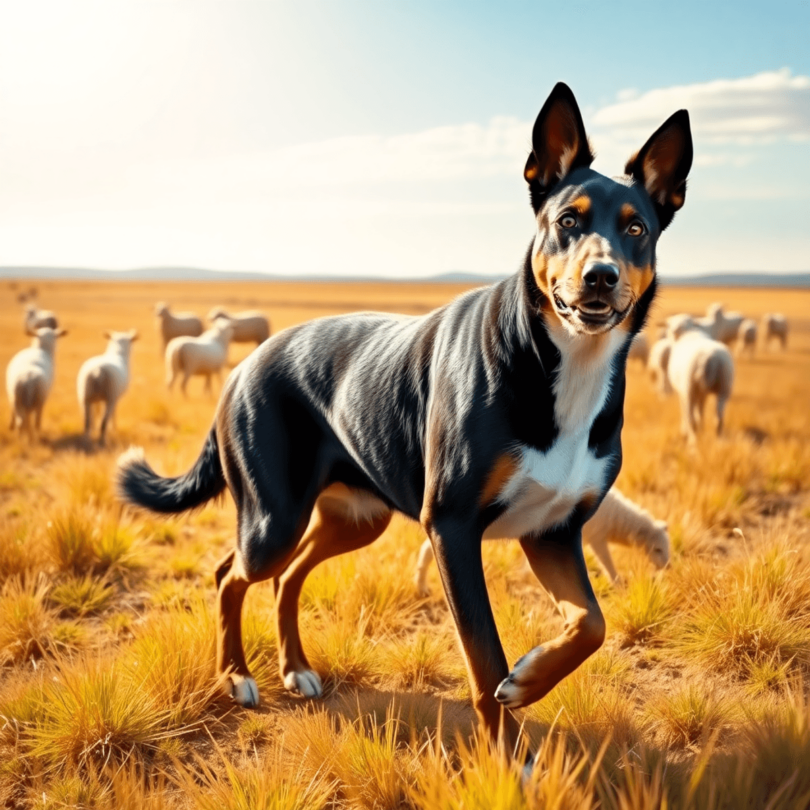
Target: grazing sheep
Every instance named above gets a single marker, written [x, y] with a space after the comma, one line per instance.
[617, 520]
[204, 355]
[658, 363]
[747, 337]
[105, 378]
[29, 377]
[37, 318]
[775, 325]
[699, 366]
[172, 326]
[639, 349]
[677, 325]
[722, 326]
[248, 327]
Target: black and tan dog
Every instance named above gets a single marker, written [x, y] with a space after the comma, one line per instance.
[497, 415]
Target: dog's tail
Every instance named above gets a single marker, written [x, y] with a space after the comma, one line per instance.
[139, 484]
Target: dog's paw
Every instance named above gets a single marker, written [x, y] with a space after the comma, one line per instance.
[244, 691]
[512, 691]
[305, 683]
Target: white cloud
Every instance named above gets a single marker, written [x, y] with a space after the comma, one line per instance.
[750, 110]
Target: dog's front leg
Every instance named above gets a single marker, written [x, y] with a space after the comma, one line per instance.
[457, 547]
[558, 563]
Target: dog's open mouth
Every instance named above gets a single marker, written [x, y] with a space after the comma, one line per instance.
[587, 313]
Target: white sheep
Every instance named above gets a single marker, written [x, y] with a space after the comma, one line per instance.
[104, 379]
[699, 366]
[747, 337]
[775, 325]
[204, 355]
[617, 520]
[172, 326]
[677, 325]
[721, 325]
[658, 363]
[639, 349]
[248, 327]
[29, 378]
[37, 318]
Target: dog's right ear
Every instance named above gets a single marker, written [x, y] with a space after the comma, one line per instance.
[559, 144]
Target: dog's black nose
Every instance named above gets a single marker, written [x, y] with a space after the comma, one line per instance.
[607, 274]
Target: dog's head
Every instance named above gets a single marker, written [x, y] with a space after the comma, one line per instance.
[593, 256]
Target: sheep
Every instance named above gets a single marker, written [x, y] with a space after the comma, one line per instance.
[247, 326]
[617, 520]
[204, 355]
[722, 326]
[29, 378]
[105, 378]
[658, 363]
[639, 349]
[747, 336]
[171, 326]
[699, 366]
[677, 325]
[36, 318]
[775, 325]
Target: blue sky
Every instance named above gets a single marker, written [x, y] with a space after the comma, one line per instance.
[374, 138]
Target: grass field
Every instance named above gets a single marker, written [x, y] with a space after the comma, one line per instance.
[699, 698]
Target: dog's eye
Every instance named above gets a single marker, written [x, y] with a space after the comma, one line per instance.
[635, 228]
[568, 221]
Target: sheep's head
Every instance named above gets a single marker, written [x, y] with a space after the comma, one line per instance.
[657, 545]
[224, 326]
[121, 341]
[45, 338]
[161, 309]
[217, 312]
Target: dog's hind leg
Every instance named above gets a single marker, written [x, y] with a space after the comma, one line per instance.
[332, 530]
[559, 564]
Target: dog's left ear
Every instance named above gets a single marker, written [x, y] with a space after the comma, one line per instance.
[663, 163]
[559, 144]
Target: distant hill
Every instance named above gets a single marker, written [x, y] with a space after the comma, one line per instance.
[724, 279]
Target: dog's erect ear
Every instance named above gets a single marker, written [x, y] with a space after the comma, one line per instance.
[61, 332]
[559, 144]
[663, 163]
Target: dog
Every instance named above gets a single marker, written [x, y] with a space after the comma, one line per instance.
[497, 415]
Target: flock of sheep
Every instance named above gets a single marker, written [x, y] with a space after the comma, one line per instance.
[691, 357]
[103, 380]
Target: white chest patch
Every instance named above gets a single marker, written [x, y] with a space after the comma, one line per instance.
[547, 486]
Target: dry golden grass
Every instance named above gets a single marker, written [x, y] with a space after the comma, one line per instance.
[108, 696]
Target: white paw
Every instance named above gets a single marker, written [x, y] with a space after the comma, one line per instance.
[305, 683]
[244, 691]
[526, 772]
[510, 693]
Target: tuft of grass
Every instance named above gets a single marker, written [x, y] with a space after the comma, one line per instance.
[687, 717]
[26, 622]
[171, 662]
[20, 554]
[70, 540]
[416, 661]
[94, 713]
[80, 596]
[641, 613]
[263, 783]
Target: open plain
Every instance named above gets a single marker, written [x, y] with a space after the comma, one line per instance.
[700, 696]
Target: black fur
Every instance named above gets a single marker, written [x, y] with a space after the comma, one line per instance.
[138, 483]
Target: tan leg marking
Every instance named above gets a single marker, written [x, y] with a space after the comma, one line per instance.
[561, 570]
[333, 529]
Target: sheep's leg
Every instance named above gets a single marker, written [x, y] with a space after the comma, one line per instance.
[599, 546]
[699, 406]
[184, 383]
[108, 412]
[721, 406]
[207, 388]
[687, 431]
